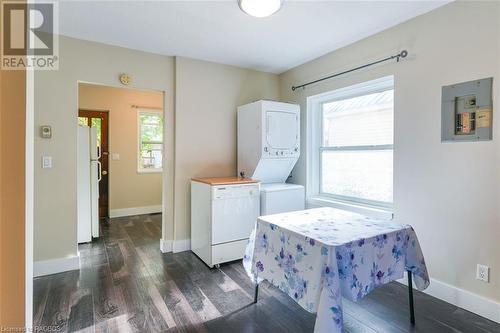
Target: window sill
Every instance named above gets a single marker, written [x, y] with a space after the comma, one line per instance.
[372, 211]
[150, 171]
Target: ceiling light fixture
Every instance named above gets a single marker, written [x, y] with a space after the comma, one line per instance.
[260, 8]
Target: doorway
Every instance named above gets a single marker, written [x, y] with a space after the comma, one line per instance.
[100, 121]
[129, 126]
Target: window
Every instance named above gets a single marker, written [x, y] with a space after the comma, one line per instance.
[150, 141]
[92, 122]
[352, 132]
[83, 121]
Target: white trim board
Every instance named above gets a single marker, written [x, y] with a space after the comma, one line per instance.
[53, 266]
[135, 211]
[462, 298]
[165, 245]
[29, 196]
[181, 245]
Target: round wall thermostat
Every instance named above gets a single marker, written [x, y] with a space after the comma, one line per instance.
[125, 79]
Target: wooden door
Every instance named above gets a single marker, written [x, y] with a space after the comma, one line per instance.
[99, 119]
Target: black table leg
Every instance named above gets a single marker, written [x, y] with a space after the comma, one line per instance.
[256, 295]
[410, 298]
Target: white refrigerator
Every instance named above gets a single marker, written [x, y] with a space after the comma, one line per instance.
[88, 177]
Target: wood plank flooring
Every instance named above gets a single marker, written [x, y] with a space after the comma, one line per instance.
[126, 285]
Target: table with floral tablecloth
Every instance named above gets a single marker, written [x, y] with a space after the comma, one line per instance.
[318, 256]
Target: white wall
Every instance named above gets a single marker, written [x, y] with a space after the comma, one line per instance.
[449, 192]
[207, 95]
[457, 221]
[56, 105]
[205, 131]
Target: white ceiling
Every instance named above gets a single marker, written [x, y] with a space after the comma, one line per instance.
[219, 31]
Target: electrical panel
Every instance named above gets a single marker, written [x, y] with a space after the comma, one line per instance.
[467, 111]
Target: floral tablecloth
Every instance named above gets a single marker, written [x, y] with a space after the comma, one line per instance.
[318, 256]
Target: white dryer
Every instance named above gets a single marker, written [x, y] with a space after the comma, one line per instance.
[268, 140]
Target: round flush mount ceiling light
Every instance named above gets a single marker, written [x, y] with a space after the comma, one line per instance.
[260, 8]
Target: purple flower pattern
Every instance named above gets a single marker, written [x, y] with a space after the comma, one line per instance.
[318, 256]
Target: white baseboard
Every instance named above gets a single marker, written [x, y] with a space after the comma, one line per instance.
[463, 299]
[175, 246]
[53, 266]
[181, 245]
[135, 211]
[165, 245]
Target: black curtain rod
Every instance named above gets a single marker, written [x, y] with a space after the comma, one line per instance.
[398, 56]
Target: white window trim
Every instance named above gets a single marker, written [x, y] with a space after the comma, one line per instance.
[314, 138]
[138, 153]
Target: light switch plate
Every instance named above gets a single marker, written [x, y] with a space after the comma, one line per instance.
[115, 156]
[46, 162]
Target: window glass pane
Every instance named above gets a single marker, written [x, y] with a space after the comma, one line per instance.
[97, 122]
[151, 141]
[151, 128]
[151, 158]
[83, 121]
[360, 121]
[365, 174]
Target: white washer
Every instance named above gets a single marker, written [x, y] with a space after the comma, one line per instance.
[278, 198]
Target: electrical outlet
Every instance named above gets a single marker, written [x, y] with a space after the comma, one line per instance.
[483, 273]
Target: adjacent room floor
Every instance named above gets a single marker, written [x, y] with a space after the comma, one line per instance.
[126, 285]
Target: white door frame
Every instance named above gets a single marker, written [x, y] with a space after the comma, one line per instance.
[29, 195]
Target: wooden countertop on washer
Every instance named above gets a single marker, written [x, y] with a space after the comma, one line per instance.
[225, 180]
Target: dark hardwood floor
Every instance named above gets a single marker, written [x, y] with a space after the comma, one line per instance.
[126, 285]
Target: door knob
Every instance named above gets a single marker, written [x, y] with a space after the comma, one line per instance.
[104, 172]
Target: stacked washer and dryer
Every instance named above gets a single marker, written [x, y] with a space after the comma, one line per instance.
[224, 209]
[268, 149]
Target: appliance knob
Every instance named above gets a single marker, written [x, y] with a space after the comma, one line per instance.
[266, 149]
